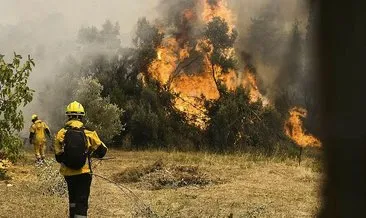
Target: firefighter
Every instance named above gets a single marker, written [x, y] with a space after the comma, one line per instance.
[74, 146]
[37, 137]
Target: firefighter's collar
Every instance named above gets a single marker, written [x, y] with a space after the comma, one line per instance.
[74, 123]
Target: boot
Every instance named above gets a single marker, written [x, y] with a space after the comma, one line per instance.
[72, 210]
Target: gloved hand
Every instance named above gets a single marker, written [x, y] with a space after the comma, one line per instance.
[59, 157]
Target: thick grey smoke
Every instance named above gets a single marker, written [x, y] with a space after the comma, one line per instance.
[265, 29]
[266, 48]
[47, 30]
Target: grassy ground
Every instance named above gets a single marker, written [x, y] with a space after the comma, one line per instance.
[178, 185]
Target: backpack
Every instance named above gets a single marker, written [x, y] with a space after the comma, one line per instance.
[75, 148]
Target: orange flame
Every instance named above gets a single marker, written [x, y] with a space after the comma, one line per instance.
[294, 130]
[217, 9]
[173, 53]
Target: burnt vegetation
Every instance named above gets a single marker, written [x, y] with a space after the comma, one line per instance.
[160, 176]
[150, 117]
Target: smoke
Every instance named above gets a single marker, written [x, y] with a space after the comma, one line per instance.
[265, 28]
[48, 31]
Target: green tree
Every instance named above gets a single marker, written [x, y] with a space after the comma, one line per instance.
[101, 115]
[14, 93]
[146, 41]
[222, 41]
[236, 124]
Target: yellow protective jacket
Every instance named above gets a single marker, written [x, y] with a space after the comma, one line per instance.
[93, 143]
[38, 132]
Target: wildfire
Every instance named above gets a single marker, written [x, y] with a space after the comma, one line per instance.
[175, 55]
[217, 8]
[251, 82]
[293, 129]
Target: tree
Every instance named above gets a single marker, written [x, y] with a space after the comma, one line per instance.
[108, 36]
[264, 39]
[236, 124]
[101, 115]
[222, 43]
[146, 41]
[14, 93]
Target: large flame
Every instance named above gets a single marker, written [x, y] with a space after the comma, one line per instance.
[217, 8]
[175, 54]
[294, 129]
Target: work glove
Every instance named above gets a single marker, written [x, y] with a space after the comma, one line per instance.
[59, 157]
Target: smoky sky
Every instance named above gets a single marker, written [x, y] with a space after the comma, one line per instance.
[77, 13]
[47, 29]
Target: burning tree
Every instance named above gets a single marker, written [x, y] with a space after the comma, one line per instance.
[198, 63]
[182, 84]
[222, 54]
[197, 58]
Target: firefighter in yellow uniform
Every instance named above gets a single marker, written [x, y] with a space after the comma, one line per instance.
[75, 163]
[37, 137]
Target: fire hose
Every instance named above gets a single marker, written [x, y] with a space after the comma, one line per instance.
[126, 191]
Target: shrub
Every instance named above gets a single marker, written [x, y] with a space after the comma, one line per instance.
[101, 115]
[14, 93]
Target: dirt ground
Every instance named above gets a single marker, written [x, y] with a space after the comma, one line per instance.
[170, 184]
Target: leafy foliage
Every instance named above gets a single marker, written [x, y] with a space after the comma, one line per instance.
[147, 104]
[237, 124]
[217, 31]
[14, 93]
[104, 82]
[101, 115]
[147, 39]
[155, 121]
[221, 52]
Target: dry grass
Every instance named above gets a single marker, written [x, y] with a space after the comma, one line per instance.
[158, 176]
[231, 185]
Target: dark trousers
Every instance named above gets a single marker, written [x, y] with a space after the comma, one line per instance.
[79, 189]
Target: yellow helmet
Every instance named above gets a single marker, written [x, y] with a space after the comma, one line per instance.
[34, 116]
[75, 108]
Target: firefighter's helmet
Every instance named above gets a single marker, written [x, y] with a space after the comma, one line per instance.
[75, 108]
[34, 117]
